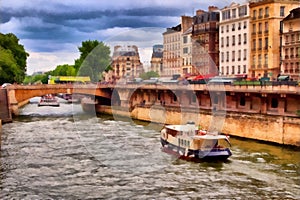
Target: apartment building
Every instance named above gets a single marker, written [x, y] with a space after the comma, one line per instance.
[157, 59]
[171, 54]
[234, 40]
[290, 50]
[126, 62]
[186, 46]
[265, 18]
[205, 41]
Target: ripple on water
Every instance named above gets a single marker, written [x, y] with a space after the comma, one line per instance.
[59, 156]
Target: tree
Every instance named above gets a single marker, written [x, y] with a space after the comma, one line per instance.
[94, 59]
[12, 60]
[148, 75]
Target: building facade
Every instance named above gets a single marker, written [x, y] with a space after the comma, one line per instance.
[234, 40]
[157, 59]
[265, 17]
[126, 62]
[205, 41]
[171, 54]
[291, 44]
[186, 46]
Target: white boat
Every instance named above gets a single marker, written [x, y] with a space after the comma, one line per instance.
[190, 143]
[48, 100]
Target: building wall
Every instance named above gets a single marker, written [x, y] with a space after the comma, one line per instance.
[234, 40]
[291, 45]
[265, 17]
[171, 55]
[205, 42]
[126, 62]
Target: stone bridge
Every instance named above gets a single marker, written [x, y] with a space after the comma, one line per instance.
[18, 95]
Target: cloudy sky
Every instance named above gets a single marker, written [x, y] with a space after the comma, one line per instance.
[52, 30]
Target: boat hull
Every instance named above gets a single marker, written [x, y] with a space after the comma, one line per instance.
[195, 155]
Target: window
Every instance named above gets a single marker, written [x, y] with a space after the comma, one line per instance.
[242, 11]
[232, 69]
[266, 43]
[222, 42]
[227, 70]
[185, 39]
[233, 13]
[186, 50]
[245, 24]
[239, 55]
[281, 11]
[259, 28]
[239, 26]
[222, 57]
[244, 69]
[245, 54]
[267, 12]
[253, 60]
[222, 70]
[239, 39]
[259, 60]
[227, 56]
[227, 28]
[266, 60]
[233, 27]
[266, 27]
[245, 38]
[227, 41]
[260, 13]
[254, 14]
[259, 43]
[222, 29]
[239, 69]
[254, 44]
[253, 28]
[233, 40]
[233, 55]
[293, 38]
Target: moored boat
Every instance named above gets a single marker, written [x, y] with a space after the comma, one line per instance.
[48, 100]
[190, 143]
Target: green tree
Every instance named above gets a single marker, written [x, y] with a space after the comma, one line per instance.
[148, 75]
[12, 60]
[94, 59]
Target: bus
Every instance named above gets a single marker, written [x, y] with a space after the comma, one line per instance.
[68, 79]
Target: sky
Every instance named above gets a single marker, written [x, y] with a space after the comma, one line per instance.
[51, 31]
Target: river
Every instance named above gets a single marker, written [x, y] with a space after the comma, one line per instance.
[61, 153]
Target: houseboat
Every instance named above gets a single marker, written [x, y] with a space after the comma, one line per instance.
[190, 143]
[48, 100]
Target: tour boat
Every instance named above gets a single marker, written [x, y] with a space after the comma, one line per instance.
[48, 100]
[190, 143]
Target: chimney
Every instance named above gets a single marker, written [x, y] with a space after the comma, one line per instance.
[186, 23]
[199, 12]
[212, 8]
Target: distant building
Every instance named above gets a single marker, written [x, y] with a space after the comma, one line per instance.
[234, 40]
[126, 62]
[186, 46]
[265, 18]
[291, 44]
[157, 59]
[205, 41]
[171, 54]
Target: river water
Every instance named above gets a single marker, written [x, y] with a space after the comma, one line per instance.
[62, 153]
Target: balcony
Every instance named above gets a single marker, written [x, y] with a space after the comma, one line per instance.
[260, 17]
[259, 32]
[239, 43]
[259, 66]
[266, 15]
[266, 66]
[253, 18]
[253, 49]
[253, 33]
[266, 31]
[239, 59]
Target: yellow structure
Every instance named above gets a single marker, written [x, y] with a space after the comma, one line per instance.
[265, 17]
[68, 79]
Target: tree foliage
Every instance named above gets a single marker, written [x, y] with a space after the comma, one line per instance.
[148, 75]
[94, 59]
[12, 60]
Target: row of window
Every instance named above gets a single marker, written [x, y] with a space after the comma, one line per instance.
[233, 40]
[259, 61]
[231, 14]
[292, 38]
[292, 52]
[262, 12]
[259, 44]
[234, 70]
[172, 38]
[260, 27]
[233, 55]
[234, 27]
